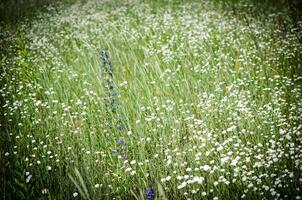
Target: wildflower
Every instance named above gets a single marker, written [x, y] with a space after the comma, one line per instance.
[121, 127]
[45, 191]
[150, 193]
[128, 169]
[168, 178]
[206, 167]
[194, 191]
[75, 194]
[182, 185]
[28, 178]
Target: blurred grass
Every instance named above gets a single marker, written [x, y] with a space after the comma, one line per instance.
[13, 11]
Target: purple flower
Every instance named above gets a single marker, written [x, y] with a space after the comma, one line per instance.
[110, 101]
[150, 193]
[121, 142]
[104, 55]
[121, 128]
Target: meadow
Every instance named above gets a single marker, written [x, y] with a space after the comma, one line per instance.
[152, 100]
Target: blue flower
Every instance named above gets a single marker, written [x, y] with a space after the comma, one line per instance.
[121, 127]
[110, 68]
[121, 142]
[104, 55]
[110, 102]
[150, 193]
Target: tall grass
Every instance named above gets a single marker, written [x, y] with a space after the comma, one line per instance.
[210, 100]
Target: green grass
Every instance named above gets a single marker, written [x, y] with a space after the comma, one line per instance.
[206, 90]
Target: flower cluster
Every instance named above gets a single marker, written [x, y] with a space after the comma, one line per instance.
[114, 120]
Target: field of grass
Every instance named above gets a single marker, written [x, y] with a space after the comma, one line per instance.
[189, 100]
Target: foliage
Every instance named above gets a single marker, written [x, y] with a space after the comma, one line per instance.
[209, 94]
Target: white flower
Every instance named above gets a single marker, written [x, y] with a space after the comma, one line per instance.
[206, 167]
[75, 194]
[235, 161]
[223, 160]
[189, 169]
[169, 162]
[128, 169]
[45, 191]
[198, 180]
[133, 162]
[265, 187]
[48, 168]
[232, 128]
[182, 185]
[219, 148]
[168, 178]
[28, 178]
